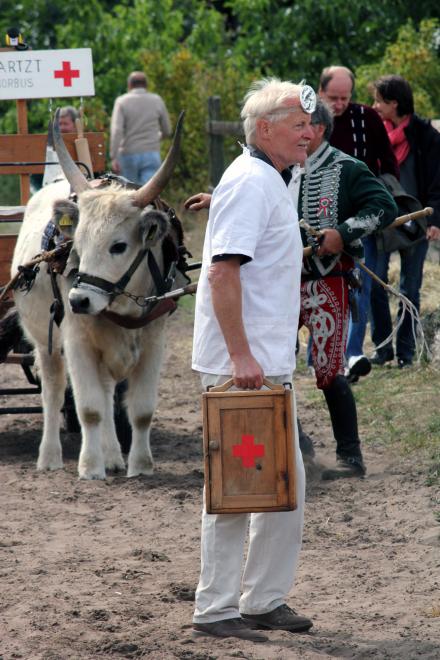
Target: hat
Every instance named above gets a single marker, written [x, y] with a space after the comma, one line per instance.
[407, 235]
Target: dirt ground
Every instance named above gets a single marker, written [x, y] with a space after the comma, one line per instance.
[108, 568]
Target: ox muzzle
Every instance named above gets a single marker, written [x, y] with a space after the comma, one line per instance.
[83, 284]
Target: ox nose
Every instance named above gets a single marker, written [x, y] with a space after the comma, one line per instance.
[80, 304]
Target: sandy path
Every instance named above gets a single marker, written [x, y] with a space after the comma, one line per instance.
[108, 569]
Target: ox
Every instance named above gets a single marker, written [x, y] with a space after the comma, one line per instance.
[114, 230]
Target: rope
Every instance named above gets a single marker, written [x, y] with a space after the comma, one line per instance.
[407, 306]
[43, 256]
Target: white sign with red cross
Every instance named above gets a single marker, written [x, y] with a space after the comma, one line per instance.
[38, 74]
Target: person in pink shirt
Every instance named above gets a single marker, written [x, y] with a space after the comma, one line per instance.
[416, 145]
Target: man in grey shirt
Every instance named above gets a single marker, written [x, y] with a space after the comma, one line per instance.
[139, 121]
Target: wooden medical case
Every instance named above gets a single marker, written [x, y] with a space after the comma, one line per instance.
[249, 449]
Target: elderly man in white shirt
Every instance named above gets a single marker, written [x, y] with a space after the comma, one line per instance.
[246, 313]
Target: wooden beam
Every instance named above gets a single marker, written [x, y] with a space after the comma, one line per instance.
[32, 148]
[22, 125]
[215, 127]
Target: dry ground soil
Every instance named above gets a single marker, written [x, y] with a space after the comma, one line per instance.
[107, 569]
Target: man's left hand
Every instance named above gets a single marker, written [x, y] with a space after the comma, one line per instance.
[197, 202]
[433, 233]
[331, 243]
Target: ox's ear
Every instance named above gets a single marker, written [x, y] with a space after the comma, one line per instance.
[65, 216]
[154, 226]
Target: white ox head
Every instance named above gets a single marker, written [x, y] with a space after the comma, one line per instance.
[112, 228]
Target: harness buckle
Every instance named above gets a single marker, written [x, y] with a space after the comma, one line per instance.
[171, 276]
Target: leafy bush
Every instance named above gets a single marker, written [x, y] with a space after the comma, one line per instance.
[186, 82]
[191, 49]
[415, 56]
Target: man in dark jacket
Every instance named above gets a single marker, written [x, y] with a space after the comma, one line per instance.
[340, 198]
[359, 132]
[416, 145]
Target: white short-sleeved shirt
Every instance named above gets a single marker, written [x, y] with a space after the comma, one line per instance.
[252, 214]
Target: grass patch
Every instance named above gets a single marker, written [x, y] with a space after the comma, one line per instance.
[400, 407]
[433, 611]
[396, 407]
[433, 477]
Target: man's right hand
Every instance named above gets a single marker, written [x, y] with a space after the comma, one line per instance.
[198, 202]
[116, 168]
[247, 373]
[331, 242]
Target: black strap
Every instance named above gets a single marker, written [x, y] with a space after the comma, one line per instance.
[112, 288]
[159, 282]
[56, 308]
[122, 283]
[306, 277]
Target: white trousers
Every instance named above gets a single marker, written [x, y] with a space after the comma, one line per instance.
[272, 557]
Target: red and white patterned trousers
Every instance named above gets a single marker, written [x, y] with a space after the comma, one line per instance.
[325, 312]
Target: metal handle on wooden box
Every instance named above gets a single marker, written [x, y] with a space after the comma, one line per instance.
[229, 383]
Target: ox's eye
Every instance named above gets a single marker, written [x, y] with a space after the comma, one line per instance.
[118, 248]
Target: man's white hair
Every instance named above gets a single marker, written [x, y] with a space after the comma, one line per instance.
[266, 98]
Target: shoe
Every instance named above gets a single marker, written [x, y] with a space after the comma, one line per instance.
[227, 628]
[281, 618]
[358, 365]
[379, 358]
[351, 466]
[404, 363]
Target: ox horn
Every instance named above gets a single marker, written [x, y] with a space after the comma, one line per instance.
[71, 171]
[157, 183]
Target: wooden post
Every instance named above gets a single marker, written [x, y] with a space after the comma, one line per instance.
[216, 158]
[22, 129]
[22, 125]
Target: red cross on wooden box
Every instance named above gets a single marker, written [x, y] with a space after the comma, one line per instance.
[249, 450]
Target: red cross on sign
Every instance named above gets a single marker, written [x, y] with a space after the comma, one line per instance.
[247, 451]
[66, 73]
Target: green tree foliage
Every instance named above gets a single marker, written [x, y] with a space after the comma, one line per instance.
[185, 53]
[186, 82]
[415, 56]
[191, 49]
[297, 39]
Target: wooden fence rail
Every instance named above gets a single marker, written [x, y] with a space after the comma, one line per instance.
[217, 129]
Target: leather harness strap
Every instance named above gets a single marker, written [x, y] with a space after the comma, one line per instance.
[166, 306]
[56, 308]
[112, 288]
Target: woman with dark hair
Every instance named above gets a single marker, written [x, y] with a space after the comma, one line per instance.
[416, 145]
